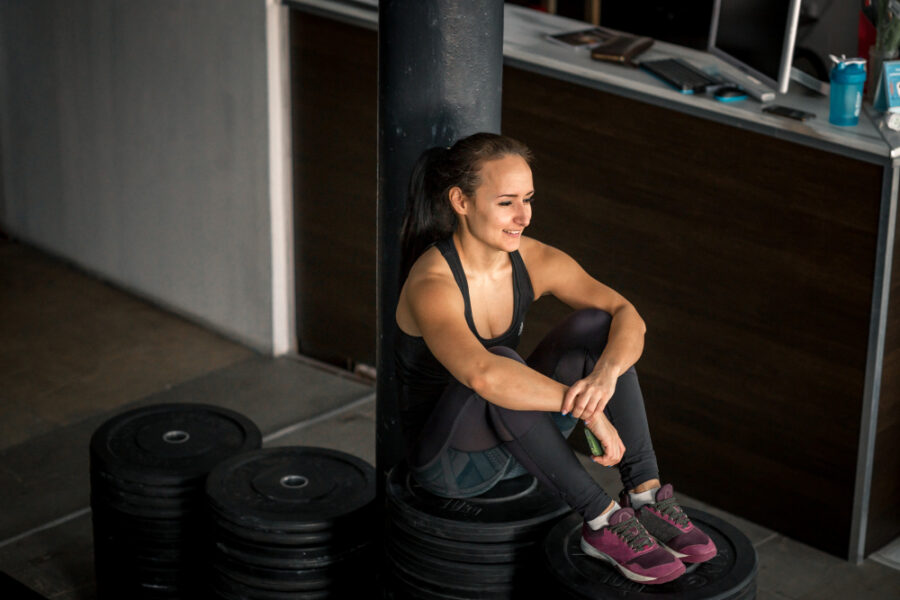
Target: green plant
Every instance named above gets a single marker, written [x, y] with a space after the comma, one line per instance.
[887, 37]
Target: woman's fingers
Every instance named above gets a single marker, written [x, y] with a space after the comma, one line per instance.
[588, 413]
[609, 459]
[606, 460]
[569, 402]
[608, 436]
[587, 397]
[578, 400]
[588, 404]
[581, 400]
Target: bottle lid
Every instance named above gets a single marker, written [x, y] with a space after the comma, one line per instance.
[848, 70]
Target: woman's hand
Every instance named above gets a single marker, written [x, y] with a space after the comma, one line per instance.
[606, 434]
[587, 397]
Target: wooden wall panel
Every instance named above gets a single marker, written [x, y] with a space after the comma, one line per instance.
[334, 85]
[752, 268]
[884, 519]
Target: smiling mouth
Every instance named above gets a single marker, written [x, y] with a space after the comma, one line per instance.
[512, 231]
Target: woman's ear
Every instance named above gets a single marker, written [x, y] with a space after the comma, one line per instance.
[458, 201]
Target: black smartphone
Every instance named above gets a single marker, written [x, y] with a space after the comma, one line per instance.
[790, 113]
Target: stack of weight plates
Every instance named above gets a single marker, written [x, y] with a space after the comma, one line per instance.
[148, 467]
[482, 547]
[730, 575]
[292, 523]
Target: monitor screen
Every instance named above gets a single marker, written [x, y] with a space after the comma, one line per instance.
[756, 36]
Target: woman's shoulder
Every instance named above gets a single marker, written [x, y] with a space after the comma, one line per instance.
[430, 284]
[429, 275]
[535, 253]
[430, 265]
[545, 264]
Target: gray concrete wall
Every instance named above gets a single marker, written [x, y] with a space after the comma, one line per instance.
[134, 142]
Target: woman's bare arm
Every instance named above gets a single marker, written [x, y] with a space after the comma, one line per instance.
[554, 272]
[436, 306]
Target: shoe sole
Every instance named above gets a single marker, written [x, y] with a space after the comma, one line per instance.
[631, 575]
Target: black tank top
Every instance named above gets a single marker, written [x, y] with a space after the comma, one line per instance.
[421, 376]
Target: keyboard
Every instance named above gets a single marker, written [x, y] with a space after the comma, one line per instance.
[680, 74]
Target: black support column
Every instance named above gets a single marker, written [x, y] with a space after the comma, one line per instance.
[440, 68]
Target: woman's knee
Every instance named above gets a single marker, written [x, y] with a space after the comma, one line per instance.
[511, 424]
[595, 320]
[586, 328]
[595, 323]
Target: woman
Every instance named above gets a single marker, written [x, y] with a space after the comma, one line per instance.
[475, 412]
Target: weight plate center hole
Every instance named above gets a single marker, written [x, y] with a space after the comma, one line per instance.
[176, 436]
[294, 482]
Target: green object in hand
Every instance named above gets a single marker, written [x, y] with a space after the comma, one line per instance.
[593, 442]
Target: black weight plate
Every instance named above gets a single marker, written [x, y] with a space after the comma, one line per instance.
[330, 576]
[138, 552]
[514, 510]
[359, 524]
[145, 568]
[112, 496]
[117, 590]
[485, 552]
[730, 575]
[99, 502]
[291, 489]
[163, 530]
[117, 528]
[177, 510]
[117, 571]
[277, 580]
[407, 583]
[115, 498]
[280, 557]
[104, 480]
[311, 539]
[228, 589]
[117, 579]
[452, 573]
[171, 444]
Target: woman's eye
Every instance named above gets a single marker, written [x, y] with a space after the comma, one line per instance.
[506, 203]
[529, 200]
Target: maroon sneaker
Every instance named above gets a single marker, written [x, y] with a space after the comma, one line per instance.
[626, 545]
[667, 522]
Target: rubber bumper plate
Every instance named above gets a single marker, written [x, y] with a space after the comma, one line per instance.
[514, 510]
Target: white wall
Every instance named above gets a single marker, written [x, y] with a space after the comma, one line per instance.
[134, 142]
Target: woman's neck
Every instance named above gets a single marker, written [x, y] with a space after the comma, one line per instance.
[477, 257]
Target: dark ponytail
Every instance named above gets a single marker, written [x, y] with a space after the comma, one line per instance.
[429, 216]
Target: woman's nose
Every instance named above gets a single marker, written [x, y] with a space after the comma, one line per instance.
[523, 215]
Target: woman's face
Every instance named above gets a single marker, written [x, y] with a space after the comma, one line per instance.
[501, 208]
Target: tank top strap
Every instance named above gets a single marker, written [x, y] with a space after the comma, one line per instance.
[523, 291]
[448, 250]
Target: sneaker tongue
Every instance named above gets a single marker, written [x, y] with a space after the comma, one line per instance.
[623, 514]
[665, 492]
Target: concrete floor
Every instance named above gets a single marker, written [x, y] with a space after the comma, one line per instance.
[76, 351]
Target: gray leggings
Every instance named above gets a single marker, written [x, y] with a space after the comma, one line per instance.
[468, 444]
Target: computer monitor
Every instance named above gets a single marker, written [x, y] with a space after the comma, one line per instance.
[757, 37]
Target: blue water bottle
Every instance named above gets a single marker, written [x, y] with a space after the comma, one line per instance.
[847, 78]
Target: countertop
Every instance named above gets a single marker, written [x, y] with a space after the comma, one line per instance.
[525, 46]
